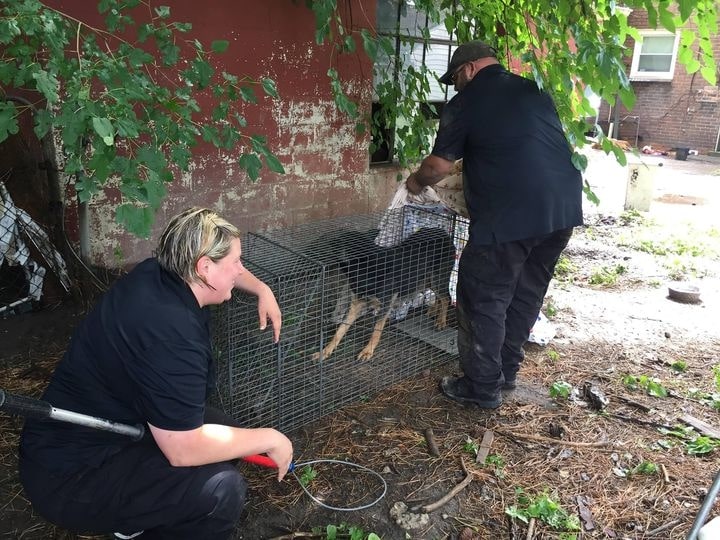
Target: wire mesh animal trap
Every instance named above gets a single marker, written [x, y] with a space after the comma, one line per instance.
[357, 316]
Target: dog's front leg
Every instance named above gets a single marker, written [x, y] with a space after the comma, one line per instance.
[356, 308]
[443, 303]
[369, 349]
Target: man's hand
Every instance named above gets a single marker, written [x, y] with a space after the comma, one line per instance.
[269, 310]
[412, 185]
[432, 169]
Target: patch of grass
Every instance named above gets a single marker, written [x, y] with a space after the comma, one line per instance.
[307, 475]
[547, 509]
[351, 532]
[560, 389]
[694, 444]
[646, 467]
[565, 269]
[471, 447]
[679, 365]
[607, 275]
[553, 355]
[652, 386]
[632, 217]
[550, 310]
[497, 463]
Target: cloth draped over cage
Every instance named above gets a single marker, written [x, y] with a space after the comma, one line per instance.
[446, 196]
[15, 224]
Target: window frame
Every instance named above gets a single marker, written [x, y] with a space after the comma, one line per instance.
[398, 38]
[636, 75]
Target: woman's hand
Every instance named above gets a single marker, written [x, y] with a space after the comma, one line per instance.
[281, 454]
[269, 310]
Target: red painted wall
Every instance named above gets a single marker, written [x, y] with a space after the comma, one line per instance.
[326, 161]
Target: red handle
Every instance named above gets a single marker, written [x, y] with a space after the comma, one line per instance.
[265, 461]
[258, 459]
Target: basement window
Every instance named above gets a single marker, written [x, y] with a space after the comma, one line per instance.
[417, 42]
[654, 56]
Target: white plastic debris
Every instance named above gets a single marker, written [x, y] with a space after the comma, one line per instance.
[543, 331]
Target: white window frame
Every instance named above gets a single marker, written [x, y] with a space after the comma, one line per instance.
[636, 75]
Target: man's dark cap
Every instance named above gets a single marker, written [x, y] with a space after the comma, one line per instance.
[467, 52]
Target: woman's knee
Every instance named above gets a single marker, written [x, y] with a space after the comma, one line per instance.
[228, 490]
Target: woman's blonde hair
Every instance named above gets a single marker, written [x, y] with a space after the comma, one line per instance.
[192, 234]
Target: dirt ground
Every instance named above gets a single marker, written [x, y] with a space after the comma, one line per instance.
[631, 470]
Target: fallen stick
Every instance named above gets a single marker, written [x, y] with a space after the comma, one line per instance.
[432, 445]
[426, 509]
[702, 427]
[484, 449]
[666, 476]
[662, 528]
[294, 535]
[531, 529]
[548, 440]
[639, 421]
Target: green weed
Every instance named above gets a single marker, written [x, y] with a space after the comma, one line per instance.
[565, 269]
[351, 532]
[694, 444]
[646, 467]
[307, 475]
[497, 463]
[553, 355]
[560, 389]
[547, 509]
[632, 217]
[652, 386]
[679, 365]
[607, 275]
[471, 447]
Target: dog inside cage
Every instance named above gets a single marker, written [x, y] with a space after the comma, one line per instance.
[378, 279]
[357, 315]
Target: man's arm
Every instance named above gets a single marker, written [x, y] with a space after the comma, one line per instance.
[267, 304]
[213, 443]
[432, 169]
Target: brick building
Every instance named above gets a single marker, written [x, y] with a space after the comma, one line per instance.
[674, 109]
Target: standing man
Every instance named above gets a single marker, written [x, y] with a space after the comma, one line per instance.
[143, 356]
[524, 197]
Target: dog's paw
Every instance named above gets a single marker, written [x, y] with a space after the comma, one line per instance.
[366, 354]
[325, 354]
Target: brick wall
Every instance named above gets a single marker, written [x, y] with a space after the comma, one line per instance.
[678, 113]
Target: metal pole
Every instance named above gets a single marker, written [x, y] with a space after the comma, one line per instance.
[42, 410]
[705, 508]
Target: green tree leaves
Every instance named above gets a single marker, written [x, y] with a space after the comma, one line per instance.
[124, 99]
[565, 46]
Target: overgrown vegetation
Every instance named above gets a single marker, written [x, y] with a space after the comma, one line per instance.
[125, 99]
[564, 46]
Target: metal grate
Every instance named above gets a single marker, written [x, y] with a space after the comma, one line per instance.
[323, 274]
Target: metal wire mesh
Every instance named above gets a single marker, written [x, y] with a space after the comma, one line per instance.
[332, 279]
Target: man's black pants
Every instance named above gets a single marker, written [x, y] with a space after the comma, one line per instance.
[500, 291]
[137, 489]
